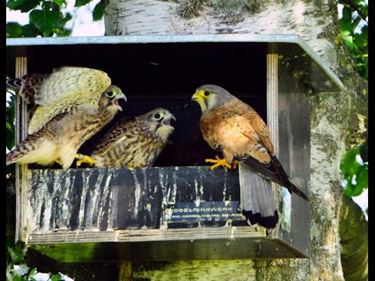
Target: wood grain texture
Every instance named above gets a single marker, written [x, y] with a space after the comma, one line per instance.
[107, 199]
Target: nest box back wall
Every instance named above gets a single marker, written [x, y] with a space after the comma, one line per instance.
[166, 75]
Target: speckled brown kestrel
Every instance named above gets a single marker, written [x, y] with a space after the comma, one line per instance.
[134, 143]
[74, 103]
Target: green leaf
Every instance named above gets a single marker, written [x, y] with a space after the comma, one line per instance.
[48, 21]
[349, 164]
[361, 183]
[360, 39]
[362, 177]
[346, 20]
[44, 20]
[98, 12]
[17, 278]
[352, 169]
[33, 272]
[14, 29]
[16, 253]
[23, 5]
[55, 277]
[30, 30]
[59, 2]
[8, 126]
[80, 3]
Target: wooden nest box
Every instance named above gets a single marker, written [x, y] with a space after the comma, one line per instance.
[178, 209]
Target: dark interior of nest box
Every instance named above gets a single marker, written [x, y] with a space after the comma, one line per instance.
[166, 75]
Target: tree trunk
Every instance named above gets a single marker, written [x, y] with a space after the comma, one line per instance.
[333, 115]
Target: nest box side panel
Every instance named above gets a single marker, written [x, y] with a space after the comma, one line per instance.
[294, 148]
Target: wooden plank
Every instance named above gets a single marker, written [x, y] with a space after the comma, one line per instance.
[200, 249]
[21, 133]
[142, 235]
[107, 199]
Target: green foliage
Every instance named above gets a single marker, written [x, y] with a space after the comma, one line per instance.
[80, 3]
[46, 17]
[354, 32]
[14, 29]
[17, 270]
[98, 12]
[355, 172]
[49, 22]
[22, 5]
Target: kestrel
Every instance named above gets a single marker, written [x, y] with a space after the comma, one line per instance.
[134, 143]
[74, 103]
[235, 129]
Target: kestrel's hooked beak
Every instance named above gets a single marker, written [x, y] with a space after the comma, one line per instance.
[200, 98]
[117, 98]
[167, 119]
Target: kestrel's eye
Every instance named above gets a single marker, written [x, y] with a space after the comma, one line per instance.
[157, 116]
[110, 94]
[206, 93]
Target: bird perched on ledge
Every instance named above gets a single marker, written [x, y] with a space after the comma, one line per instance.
[134, 143]
[74, 103]
[235, 129]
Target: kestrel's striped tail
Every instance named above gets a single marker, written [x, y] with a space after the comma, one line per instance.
[26, 151]
[257, 201]
[274, 172]
[17, 153]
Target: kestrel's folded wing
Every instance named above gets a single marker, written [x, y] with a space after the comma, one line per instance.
[259, 127]
[66, 88]
[112, 140]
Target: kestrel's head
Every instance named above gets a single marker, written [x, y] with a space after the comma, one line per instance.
[159, 121]
[211, 96]
[110, 98]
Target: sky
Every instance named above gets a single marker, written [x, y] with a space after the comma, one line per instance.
[83, 25]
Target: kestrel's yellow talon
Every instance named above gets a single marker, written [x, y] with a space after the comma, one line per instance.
[84, 159]
[218, 163]
[133, 167]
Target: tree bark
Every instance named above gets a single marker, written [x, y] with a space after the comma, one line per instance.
[333, 115]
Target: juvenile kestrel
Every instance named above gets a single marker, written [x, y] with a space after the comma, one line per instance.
[134, 143]
[234, 128]
[65, 88]
[67, 115]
